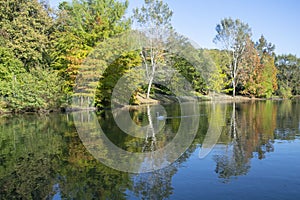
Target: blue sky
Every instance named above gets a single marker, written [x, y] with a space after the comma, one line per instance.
[277, 20]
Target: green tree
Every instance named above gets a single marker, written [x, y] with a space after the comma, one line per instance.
[26, 27]
[81, 25]
[220, 81]
[10, 66]
[26, 82]
[196, 72]
[269, 72]
[233, 34]
[113, 73]
[269, 76]
[288, 75]
[263, 46]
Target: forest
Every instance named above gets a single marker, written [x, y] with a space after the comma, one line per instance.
[43, 50]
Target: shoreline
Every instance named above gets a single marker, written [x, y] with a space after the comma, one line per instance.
[158, 99]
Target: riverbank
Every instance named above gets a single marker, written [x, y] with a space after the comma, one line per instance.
[158, 99]
[166, 99]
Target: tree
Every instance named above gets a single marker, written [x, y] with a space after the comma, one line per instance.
[81, 26]
[26, 82]
[112, 74]
[251, 75]
[263, 46]
[190, 73]
[233, 34]
[155, 18]
[219, 80]
[288, 75]
[10, 66]
[269, 72]
[26, 27]
[269, 76]
[258, 77]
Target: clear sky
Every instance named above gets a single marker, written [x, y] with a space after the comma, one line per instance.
[277, 20]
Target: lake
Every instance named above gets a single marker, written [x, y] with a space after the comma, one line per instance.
[246, 150]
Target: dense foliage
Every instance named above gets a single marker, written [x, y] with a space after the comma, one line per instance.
[26, 81]
[43, 50]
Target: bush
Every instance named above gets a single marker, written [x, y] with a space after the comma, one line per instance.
[32, 91]
[285, 92]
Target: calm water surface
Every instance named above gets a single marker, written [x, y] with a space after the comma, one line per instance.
[257, 155]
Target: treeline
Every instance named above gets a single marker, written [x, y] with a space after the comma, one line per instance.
[42, 50]
[251, 68]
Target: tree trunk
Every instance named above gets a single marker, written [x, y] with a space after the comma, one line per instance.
[149, 87]
[233, 85]
[235, 68]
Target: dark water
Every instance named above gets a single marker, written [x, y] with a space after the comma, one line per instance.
[257, 155]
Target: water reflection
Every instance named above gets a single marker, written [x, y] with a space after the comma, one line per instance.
[42, 157]
[249, 133]
[155, 152]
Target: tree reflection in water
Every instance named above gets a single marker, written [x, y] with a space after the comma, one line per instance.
[250, 133]
[42, 156]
